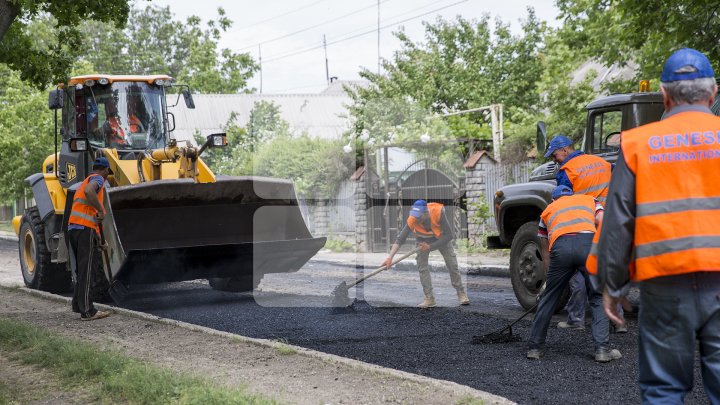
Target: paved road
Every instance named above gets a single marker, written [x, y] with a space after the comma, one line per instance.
[434, 343]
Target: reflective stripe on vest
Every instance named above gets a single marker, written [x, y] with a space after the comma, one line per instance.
[589, 175]
[677, 225]
[82, 213]
[569, 214]
[418, 229]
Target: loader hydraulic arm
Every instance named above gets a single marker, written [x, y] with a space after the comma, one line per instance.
[187, 155]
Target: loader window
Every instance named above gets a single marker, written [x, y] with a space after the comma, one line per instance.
[606, 131]
[126, 116]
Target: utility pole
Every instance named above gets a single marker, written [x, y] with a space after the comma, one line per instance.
[327, 70]
[378, 34]
[260, 59]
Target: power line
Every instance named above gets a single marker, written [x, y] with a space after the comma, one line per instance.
[361, 34]
[276, 17]
[311, 27]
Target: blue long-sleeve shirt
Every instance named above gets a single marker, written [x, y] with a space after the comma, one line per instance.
[562, 177]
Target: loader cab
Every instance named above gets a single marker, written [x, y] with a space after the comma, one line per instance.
[125, 113]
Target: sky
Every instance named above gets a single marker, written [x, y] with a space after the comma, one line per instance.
[289, 34]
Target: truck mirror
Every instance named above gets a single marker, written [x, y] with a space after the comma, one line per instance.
[189, 103]
[55, 101]
[541, 137]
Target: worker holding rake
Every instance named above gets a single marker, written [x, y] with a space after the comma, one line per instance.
[433, 231]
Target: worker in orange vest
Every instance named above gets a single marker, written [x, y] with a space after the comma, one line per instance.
[84, 235]
[663, 218]
[432, 231]
[584, 174]
[566, 229]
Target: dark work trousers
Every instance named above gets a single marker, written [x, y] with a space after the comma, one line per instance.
[568, 256]
[84, 244]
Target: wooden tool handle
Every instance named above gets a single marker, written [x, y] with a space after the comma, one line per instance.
[383, 267]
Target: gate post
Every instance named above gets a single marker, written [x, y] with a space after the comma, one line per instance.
[476, 172]
[360, 206]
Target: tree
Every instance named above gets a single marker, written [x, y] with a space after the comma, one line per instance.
[44, 60]
[463, 64]
[153, 42]
[644, 32]
[26, 130]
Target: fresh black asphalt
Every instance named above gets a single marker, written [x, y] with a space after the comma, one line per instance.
[434, 343]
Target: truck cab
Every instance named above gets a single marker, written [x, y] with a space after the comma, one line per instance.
[518, 207]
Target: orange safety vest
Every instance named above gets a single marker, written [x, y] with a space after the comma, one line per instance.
[589, 175]
[436, 230]
[134, 124]
[82, 213]
[117, 135]
[569, 214]
[677, 195]
[591, 262]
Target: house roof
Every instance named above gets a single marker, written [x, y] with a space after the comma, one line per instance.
[475, 158]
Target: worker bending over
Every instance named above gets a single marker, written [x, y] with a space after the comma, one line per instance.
[432, 231]
[566, 230]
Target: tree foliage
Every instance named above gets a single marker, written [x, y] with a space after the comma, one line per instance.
[462, 64]
[26, 133]
[42, 60]
[644, 32]
[153, 42]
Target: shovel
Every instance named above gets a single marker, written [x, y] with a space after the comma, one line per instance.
[499, 336]
[340, 294]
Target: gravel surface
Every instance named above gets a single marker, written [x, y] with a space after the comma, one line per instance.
[434, 343]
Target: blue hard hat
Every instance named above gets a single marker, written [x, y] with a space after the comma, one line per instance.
[101, 161]
[686, 64]
[560, 191]
[418, 208]
[560, 141]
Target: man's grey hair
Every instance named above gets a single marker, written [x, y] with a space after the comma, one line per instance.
[690, 91]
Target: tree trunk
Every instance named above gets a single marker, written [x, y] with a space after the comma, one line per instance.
[8, 12]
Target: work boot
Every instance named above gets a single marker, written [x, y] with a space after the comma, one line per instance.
[568, 325]
[604, 355]
[428, 302]
[535, 354]
[620, 328]
[463, 298]
[97, 315]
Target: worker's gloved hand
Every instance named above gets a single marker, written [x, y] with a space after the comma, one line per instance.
[99, 216]
[387, 263]
[424, 247]
[104, 247]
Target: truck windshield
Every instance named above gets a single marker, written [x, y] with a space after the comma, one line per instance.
[126, 116]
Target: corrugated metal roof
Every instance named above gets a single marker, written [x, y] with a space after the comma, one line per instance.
[320, 115]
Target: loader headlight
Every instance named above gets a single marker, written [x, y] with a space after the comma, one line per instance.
[161, 82]
[78, 144]
[217, 140]
[89, 82]
[103, 81]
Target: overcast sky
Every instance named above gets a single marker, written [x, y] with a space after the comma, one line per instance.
[290, 32]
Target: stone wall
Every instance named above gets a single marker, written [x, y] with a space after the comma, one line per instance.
[476, 172]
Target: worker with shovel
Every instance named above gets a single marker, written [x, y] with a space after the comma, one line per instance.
[432, 230]
[566, 229]
[83, 234]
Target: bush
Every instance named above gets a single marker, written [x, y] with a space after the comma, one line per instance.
[339, 246]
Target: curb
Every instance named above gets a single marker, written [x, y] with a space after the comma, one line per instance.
[488, 270]
[461, 390]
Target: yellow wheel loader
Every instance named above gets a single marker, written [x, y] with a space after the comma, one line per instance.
[169, 218]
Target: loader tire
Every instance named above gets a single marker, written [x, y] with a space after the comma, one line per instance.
[38, 271]
[234, 284]
[527, 270]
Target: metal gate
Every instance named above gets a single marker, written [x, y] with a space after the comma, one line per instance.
[391, 195]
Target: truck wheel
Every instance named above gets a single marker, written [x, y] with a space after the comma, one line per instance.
[38, 271]
[234, 284]
[527, 270]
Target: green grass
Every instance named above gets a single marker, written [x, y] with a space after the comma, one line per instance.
[339, 246]
[118, 378]
[468, 400]
[6, 394]
[283, 347]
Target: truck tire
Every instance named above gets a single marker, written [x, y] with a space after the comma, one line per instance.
[37, 269]
[527, 270]
[234, 284]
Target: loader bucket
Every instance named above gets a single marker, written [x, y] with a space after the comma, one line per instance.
[179, 230]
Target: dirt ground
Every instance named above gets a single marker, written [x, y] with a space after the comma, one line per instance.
[275, 370]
